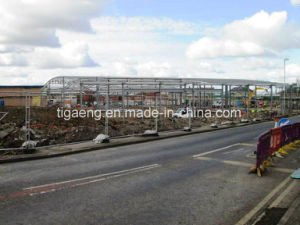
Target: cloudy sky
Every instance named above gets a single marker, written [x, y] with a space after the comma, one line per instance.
[41, 39]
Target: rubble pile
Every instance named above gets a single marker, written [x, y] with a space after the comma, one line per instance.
[47, 129]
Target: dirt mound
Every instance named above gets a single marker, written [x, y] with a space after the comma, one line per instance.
[47, 128]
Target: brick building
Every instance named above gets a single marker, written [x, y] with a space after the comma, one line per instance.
[15, 95]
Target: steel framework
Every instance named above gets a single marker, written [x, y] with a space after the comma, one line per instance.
[178, 89]
[76, 85]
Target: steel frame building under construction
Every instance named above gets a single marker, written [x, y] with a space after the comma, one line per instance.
[163, 92]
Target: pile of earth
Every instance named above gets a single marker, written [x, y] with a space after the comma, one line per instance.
[48, 129]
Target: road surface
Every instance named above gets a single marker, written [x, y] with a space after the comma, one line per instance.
[196, 179]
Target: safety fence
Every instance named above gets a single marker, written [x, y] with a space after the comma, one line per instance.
[275, 143]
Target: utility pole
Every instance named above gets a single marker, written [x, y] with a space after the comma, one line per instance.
[284, 78]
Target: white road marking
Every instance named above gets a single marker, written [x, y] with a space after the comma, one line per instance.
[263, 203]
[224, 148]
[283, 170]
[249, 144]
[235, 150]
[96, 177]
[243, 164]
[237, 163]
[113, 176]
[216, 150]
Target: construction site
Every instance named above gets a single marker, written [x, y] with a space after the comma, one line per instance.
[30, 112]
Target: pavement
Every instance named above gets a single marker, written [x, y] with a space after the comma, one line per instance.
[201, 178]
[292, 215]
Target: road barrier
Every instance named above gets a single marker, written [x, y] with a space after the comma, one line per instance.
[276, 140]
[275, 143]
[297, 131]
[262, 152]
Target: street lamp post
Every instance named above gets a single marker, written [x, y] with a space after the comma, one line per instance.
[284, 75]
[298, 94]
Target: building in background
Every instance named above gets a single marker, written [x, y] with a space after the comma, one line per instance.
[16, 95]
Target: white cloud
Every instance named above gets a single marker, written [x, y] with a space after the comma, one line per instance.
[29, 28]
[138, 67]
[122, 46]
[16, 49]
[154, 69]
[143, 24]
[140, 46]
[136, 46]
[258, 63]
[293, 72]
[34, 22]
[73, 54]
[4, 49]
[260, 69]
[12, 59]
[211, 48]
[295, 2]
[13, 76]
[141, 38]
[261, 34]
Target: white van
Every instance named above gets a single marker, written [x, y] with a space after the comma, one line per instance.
[217, 103]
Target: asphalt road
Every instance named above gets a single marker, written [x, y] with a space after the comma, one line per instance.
[160, 182]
